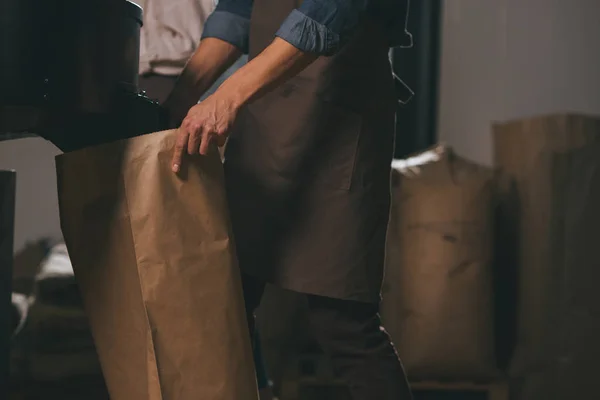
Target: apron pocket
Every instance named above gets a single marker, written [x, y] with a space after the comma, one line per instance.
[295, 136]
[337, 134]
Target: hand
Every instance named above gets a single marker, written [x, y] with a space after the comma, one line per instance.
[212, 119]
[209, 121]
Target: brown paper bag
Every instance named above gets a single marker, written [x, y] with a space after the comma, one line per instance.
[437, 298]
[569, 348]
[550, 203]
[154, 258]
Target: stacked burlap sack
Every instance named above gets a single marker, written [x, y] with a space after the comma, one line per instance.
[437, 294]
[26, 265]
[61, 342]
[550, 198]
[52, 340]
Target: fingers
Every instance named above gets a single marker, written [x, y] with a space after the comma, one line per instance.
[194, 140]
[180, 147]
[207, 136]
[212, 135]
[195, 137]
[191, 141]
[199, 140]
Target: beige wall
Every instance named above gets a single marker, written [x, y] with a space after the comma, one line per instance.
[504, 59]
[37, 203]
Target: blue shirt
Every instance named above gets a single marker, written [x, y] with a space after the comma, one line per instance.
[317, 26]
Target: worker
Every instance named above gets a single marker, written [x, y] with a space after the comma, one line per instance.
[310, 121]
[170, 34]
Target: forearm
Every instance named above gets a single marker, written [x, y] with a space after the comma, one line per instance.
[278, 63]
[212, 58]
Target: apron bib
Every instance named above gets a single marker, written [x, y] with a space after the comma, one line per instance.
[308, 168]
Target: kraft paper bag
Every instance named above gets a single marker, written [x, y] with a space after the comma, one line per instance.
[154, 258]
[437, 294]
[550, 200]
[568, 367]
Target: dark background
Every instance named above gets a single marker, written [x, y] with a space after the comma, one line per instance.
[418, 67]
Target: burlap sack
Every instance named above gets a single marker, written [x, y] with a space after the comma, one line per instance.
[437, 297]
[553, 166]
[154, 258]
[7, 220]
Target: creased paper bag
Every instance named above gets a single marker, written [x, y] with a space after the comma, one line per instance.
[549, 198]
[154, 258]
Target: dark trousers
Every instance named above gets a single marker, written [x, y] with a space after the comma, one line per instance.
[351, 335]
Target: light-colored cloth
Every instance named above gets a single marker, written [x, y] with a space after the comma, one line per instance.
[171, 33]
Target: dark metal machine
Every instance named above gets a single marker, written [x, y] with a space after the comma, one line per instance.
[69, 72]
[7, 212]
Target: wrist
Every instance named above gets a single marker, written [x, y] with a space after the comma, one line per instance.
[228, 100]
[238, 90]
[238, 98]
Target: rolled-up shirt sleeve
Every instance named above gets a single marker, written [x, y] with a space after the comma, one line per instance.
[322, 26]
[230, 22]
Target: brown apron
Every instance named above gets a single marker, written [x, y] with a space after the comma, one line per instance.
[308, 168]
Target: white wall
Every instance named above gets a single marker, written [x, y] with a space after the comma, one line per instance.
[37, 202]
[505, 59]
